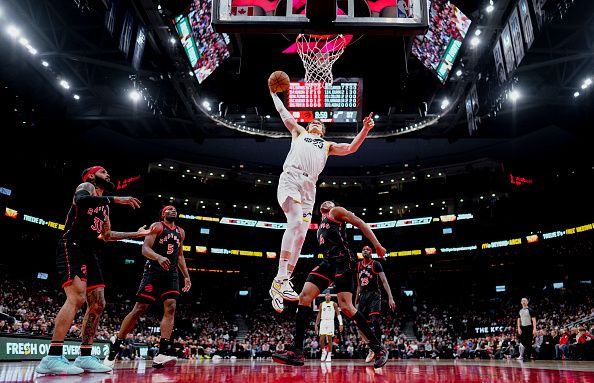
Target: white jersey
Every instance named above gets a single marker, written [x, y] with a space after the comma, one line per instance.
[328, 311]
[308, 153]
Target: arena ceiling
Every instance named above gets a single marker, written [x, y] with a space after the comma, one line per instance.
[546, 124]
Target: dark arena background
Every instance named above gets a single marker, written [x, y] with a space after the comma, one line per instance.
[476, 178]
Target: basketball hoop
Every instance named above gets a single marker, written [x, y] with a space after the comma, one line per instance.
[318, 53]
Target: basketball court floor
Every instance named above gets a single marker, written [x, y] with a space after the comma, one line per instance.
[257, 371]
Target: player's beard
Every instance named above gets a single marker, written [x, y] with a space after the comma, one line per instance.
[105, 184]
[169, 219]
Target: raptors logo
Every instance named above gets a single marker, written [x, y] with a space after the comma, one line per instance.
[148, 288]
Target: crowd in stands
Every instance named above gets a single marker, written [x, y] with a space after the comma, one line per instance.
[441, 329]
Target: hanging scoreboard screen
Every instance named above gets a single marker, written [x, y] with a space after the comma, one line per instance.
[336, 102]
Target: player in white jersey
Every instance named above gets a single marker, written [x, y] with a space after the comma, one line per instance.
[297, 190]
[325, 323]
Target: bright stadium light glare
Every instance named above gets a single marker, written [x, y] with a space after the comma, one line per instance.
[45, 63]
[76, 97]
[490, 7]
[172, 40]
[477, 32]
[64, 84]
[206, 104]
[445, 103]
[23, 41]
[475, 41]
[13, 31]
[459, 72]
[514, 95]
[134, 95]
[576, 94]
[588, 82]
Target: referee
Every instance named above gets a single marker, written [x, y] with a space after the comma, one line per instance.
[526, 330]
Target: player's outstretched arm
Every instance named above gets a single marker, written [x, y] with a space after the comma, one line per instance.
[86, 196]
[346, 149]
[109, 235]
[181, 264]
[286, 116]
[386, 285]
[344, 215]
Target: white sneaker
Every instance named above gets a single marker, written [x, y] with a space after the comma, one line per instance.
[324, 354]
[288, 292]
[277, 295]
[329, 357]
[164, 361]
[108, 363]
[370, 356]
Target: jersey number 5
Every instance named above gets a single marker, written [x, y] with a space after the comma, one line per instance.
[169, 249]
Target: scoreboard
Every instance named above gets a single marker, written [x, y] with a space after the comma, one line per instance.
[336, 102]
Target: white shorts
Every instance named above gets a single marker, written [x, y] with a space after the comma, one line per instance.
[296, 185]
[327, 327]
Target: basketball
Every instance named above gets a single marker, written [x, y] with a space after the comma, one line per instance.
[278, 81]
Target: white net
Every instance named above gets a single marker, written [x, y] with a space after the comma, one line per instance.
[319, 53]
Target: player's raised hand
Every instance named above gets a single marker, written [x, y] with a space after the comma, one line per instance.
[381, 251]
[368, 122]
[134, 202]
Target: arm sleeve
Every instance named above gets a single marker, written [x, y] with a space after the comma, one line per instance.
[339, 319]
[83, 199]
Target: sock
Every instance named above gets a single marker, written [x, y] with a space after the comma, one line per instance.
[361, 323]
[302, 320]
[377, 329]
[282, 269]
[114, 348]
[164, 346]
[56, 348]
[85, 349]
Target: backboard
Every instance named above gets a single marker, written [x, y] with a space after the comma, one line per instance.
[392, 17]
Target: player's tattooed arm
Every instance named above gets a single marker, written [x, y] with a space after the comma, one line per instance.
[344, 215]
[109, 235]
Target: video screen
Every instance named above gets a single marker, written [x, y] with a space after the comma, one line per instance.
[558, 285]
[357, 237]
[408, 293]
[42, 275]
[438, 48]
[500, 288]
[205, 48]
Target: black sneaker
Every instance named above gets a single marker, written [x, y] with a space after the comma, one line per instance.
[293, 358]
[381, 357]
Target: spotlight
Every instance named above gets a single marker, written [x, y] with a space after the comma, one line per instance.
[490, 7]
[459, 72]
[32, 50]
[243, 116]
[64, 84]
[45, 63]
[134, 95]
[475, 41]
[514, 95]
[23, 41]
[13, 31]
[206, 104]
[172, 40]
[477, 32]
[267, 116]
[445, 103]
[576, 94]
[76, 97]
[376, 116]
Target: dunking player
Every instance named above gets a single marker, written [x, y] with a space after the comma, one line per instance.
[297, 189]
[326, 312]
[369, 297]
[164, 249]
[78, 253]
[337, 267]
